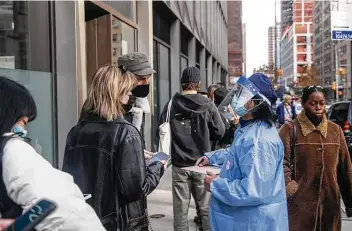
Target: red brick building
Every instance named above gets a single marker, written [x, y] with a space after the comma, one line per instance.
[235, 43]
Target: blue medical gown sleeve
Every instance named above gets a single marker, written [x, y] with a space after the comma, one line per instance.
[218, 157]
[257, 165]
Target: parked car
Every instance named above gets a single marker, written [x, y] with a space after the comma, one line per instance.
[341, 114]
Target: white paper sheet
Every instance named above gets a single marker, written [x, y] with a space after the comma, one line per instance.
[203, 170]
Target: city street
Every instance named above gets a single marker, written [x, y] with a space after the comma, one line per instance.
[160, 203]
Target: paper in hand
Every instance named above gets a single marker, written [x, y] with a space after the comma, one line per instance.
[203, 170]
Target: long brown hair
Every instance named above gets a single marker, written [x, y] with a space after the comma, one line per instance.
[109, 85]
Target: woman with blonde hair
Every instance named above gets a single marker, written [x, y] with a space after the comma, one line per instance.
[104, 154]
[286, 111]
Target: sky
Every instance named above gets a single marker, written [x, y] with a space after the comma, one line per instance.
[258, 15]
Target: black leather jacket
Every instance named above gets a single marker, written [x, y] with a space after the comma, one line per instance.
[106, 160]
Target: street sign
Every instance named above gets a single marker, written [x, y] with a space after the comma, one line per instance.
[341, 19]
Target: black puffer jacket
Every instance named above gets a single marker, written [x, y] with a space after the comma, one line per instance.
[106, 160]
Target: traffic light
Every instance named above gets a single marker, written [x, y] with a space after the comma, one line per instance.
[341, 71]
[279, 72]
[333, 86]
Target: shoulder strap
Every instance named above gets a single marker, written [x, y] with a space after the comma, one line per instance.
[168, 111]
[293, 136]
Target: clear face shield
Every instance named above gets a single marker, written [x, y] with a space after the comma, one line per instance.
[241, 93]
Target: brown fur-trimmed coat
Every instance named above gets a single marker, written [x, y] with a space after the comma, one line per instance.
[323, 170]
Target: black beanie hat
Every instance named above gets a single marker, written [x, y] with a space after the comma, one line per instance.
[190, 75]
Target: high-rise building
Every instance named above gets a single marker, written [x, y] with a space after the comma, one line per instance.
[296, 47]
[286, 14]
[324, 53]
[235, 43]
[273, 42]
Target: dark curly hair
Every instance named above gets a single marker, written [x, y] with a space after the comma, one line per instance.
[307, 91]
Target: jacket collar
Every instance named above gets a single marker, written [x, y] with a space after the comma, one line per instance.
[92, 117]
[308, 127]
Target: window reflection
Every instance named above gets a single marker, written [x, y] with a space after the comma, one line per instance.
[25, 58]
[19, 46]
[123, 38]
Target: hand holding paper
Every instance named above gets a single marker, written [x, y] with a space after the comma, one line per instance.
[203, 161]
[208, 179]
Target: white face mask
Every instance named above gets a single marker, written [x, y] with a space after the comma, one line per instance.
[20, 131]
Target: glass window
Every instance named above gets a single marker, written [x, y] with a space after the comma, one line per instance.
[184, 63]
[124, 38]
[126, 8]
[164, 76]
[41, 129]
[25, 58]
[161, 62]
[19, 45]
[301, 29]
[161, 26]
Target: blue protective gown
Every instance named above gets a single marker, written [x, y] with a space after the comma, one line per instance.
[249, 194]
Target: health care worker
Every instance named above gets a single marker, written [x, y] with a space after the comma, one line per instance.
[250, 192]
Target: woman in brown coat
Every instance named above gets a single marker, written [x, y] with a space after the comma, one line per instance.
[319, 169]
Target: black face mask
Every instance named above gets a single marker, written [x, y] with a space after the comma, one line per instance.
[141, 91]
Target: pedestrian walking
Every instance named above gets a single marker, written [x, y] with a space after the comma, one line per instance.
[104, 154]
[286, 111]
[317, 167]
[195, 122]
[26, 177]
[249, 194]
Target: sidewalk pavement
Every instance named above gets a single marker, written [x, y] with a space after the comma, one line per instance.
[346, 222]
[160, 203]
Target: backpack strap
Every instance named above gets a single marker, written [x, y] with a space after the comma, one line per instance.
[168, 113]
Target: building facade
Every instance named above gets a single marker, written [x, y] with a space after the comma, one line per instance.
[297, 45]
[286, 14]
[325, 55]
[235, 38]
[74, 38]
[274, 33]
